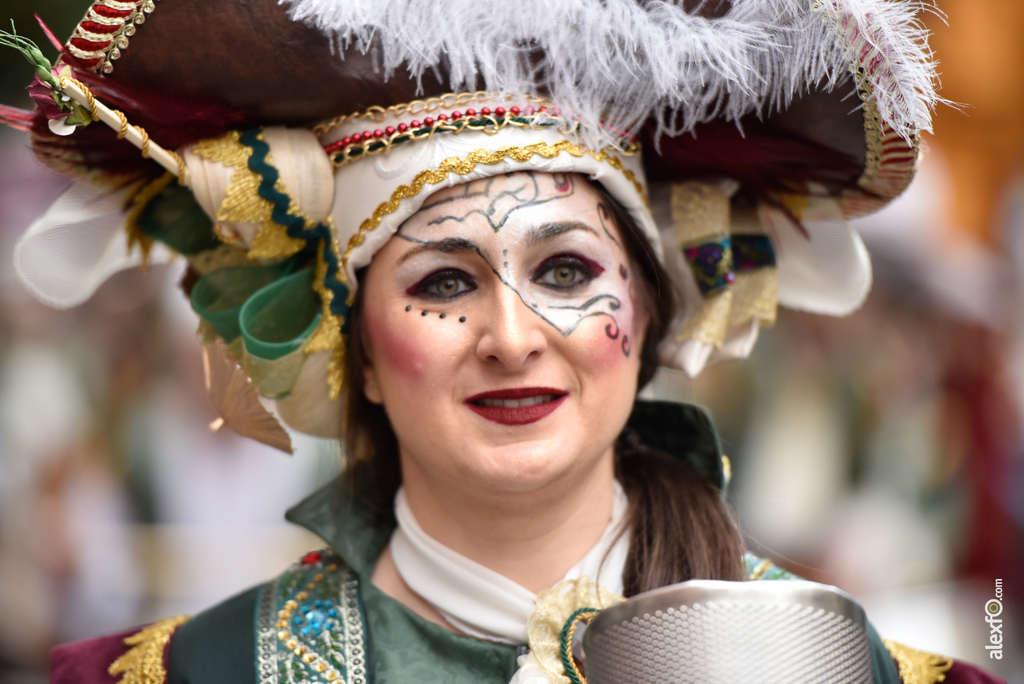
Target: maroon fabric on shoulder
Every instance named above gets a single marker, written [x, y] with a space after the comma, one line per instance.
[86, 662]
[966, 673]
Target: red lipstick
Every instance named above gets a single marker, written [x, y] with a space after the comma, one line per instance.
[518, 406]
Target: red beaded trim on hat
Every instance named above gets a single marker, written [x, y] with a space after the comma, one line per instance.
[379, 140]
[104, 32]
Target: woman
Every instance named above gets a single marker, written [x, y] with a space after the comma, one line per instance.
[477, 283]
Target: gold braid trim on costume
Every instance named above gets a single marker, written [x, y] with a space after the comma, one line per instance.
[327, 336]
[144, 662]
[242, 202]
[466, 166]
[918, 667]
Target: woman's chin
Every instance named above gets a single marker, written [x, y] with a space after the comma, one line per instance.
[535, 465]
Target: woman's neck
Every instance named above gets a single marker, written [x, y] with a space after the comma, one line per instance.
[530, 537]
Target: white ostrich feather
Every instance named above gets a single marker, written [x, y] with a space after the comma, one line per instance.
[622, 61]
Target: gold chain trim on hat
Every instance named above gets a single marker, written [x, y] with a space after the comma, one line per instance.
[466, 166]
[104, 32]
[428, 105]
[918, 667]
[144, 662]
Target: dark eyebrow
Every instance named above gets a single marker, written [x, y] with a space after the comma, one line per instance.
[549, 231]
[451, 245]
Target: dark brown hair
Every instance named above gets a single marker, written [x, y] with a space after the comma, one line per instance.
[678, 524]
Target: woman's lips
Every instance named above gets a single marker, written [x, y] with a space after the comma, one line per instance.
[517, 406]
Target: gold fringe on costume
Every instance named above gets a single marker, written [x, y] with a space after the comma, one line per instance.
[144, 662]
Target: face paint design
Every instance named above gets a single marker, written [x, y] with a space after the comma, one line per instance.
[554, 248]
[529, 376]
[495, 201]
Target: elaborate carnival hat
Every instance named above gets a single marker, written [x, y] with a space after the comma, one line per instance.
[739, 134]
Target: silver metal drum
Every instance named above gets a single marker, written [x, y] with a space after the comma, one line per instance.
[785, 631]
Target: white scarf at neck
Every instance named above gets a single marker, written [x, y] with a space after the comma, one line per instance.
[477, 600]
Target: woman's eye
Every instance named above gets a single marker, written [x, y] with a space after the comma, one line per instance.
[443, 285]
[566, 273]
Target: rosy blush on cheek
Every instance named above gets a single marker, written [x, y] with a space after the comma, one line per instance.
[396, 345]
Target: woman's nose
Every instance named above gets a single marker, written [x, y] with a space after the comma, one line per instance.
[514, 333]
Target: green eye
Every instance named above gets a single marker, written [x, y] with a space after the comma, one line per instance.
[444, 285]
[567, 272]
[565, 275]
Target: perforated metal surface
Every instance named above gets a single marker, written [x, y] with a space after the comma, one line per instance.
[730, 632]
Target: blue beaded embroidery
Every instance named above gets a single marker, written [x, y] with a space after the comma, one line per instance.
[311, 626]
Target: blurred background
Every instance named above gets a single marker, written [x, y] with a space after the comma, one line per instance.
[882, 453]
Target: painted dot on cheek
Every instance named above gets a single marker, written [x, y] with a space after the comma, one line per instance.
[462, 319]
[443, 315]
[424, 313]
[409, 308]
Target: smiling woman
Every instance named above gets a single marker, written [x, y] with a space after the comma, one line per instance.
[548, 284]
[469, 288]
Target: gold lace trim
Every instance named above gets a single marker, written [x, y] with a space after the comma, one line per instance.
[465, 166]
[553, 607]
[144, 662]
[755, 295]
[752, 297]
[710, 322]
[699, 211]
[918, 667]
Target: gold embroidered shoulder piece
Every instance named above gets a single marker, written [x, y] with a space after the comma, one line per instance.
[918, 667]
[144, 662]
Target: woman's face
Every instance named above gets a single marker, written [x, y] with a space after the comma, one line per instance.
[502, 332]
